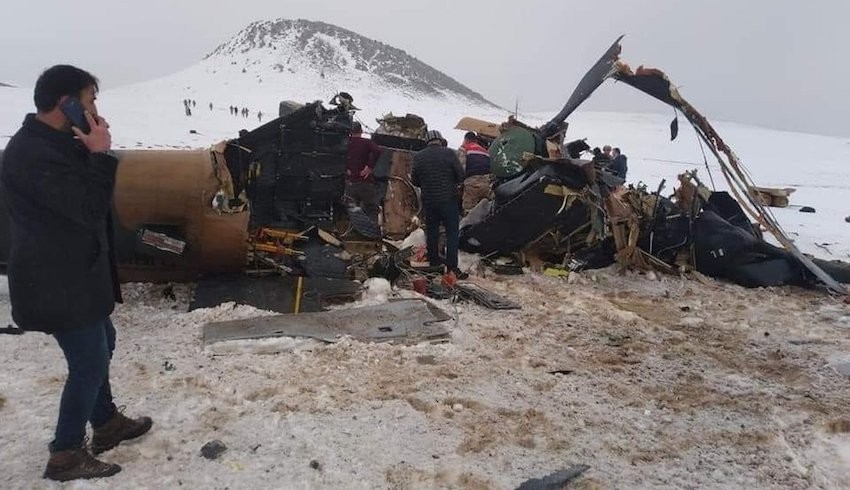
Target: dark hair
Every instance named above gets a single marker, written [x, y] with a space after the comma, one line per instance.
[470, 136]
[60, 80]
[617, 150]
[356, 127]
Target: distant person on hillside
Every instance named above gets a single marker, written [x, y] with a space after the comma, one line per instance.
[477, 177]
[58, 183]
[260, 116]
[437, 172]
[211, 106]
[360, 183]
[619, 164]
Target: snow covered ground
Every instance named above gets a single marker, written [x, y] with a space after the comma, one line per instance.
[664, 382]
[655, 382]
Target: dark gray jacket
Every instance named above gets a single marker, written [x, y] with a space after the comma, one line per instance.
[619, 166]
[437, 171]
[61, 270]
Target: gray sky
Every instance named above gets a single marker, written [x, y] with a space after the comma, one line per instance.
[774, 63]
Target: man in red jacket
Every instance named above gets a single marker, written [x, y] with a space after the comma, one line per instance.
[476, 163]
[360, 184]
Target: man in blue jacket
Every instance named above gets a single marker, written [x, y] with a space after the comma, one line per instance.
[619, 165]
[57, 183]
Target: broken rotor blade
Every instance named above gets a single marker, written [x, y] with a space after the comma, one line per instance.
[594, 77]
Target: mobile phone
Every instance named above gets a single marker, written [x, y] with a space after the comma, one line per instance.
[75, 112]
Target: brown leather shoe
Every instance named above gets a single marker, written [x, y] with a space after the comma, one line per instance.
[76, 464]
[119, 428]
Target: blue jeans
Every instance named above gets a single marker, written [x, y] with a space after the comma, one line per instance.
[87, 396]
[447, 214]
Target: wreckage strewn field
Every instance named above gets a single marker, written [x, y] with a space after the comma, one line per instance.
[653, 382]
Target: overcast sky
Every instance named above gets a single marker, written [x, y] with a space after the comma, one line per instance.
[774, 63]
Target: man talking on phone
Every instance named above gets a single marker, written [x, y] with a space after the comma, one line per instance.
[57, 179]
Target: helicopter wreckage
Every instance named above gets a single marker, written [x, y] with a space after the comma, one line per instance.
[269, 208]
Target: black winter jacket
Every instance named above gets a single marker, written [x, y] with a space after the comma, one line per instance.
[437, 171]
[62, 270]
[619, 166]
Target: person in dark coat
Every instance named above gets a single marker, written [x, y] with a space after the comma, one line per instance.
[619, 165]
[601, 158]
[57, 183]
[363, 153]
[439, 175]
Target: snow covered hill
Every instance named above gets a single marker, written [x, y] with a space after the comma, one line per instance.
[268, 62]
[318, 49]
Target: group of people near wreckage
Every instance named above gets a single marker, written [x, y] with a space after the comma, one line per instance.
[611, 159]
[450, 182]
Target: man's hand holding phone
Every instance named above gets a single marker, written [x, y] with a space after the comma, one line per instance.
[98, 139]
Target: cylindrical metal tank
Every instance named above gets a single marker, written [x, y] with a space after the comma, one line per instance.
[173, 193]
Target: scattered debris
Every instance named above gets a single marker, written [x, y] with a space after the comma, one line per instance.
[213, 449]
[399, 137]
[314, 464]
[438, 291]
[274, 292]
[406, 321]
[807, 209]
[556, 272]
[847, 219]
[505, 266]
[420, 284]
[482, 128]
[555, 481]
[777, 198]
[484, 297]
